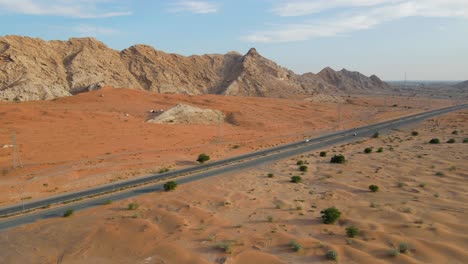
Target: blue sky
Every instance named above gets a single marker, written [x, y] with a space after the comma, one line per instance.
[427, 39]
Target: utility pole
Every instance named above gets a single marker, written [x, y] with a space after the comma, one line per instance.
[220, 128]
[16, 155]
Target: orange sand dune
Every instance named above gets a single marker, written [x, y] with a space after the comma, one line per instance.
[247, 217]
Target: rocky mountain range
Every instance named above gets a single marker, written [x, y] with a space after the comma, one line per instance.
[34, 69]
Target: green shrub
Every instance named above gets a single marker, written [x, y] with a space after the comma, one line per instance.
[455, 132]
[170, 186]
[434, 141]
[296, 179]
[303, 168]
[394, 252]
[380, 150]
[270, 175]
[332, 255]
[352, 231]
[403, 247]
[133, 206]
[203, 157]
[226, 246]
[323, 153]
[338, 159]
[296, 246]
[330, 215]
[68, 213]
[163, 170]
[300, 162]
[465, 140]
[414, 133]
[450, 141]
[367, 150]
[373, 188]
[376, 135]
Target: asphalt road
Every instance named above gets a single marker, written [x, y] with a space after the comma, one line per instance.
[154, 182]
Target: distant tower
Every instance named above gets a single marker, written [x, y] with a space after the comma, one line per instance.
[16, 155]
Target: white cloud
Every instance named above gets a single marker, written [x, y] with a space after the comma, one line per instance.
[364, 18]
[197, 7]
[65, 8]
[303, 7]
[85, 30]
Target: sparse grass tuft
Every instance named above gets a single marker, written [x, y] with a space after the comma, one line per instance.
[367, 150]
[323, 153]
[303, 168]
[270, 219]
[373, 188]
[451, 141]
[133, 206]
[300, 162]
[394, 252]
[380, 150]
[226, 246]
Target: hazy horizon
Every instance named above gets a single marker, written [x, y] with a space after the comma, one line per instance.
[427, 39]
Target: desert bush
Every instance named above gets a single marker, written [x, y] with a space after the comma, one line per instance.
[296, 179]
[352, 231]
[450, 141]
[380, 150]
[296, 246]
[270, 175]
[338, 159]
[235, 146]
[323, 153]
[163, 170]
[376, 135]
[394, 252]
[303, 168]
[434, 141]
[170, 186]
[403, 247]
[270, 219]
[226, 246]
[300, 162]
[455, 132]
[330, 215]
[465, 140]
[367, 150]
[373, 188]
[332, 255]
[133, 206]
[68, 213]
[414, 133]
[203, 157]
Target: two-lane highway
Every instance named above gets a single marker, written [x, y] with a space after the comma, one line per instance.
[153, 182]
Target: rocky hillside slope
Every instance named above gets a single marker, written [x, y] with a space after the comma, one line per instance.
[462, 85]
[34, 69]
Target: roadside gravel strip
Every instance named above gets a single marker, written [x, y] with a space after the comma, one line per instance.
[20, 214]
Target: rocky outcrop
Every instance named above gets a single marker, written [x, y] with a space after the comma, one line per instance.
[187, 114]
[34, 69]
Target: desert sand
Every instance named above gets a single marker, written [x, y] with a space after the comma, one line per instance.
[93, 138]
[245, 217]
